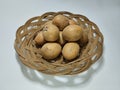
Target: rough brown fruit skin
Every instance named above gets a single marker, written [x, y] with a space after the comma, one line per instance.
[50, 32]
[60, 21]
[70, 51]
[72, 22]
[50, 50]
[72, 33]
[39, 39]
[84, 38]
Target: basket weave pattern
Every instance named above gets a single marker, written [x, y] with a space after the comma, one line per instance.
[30, 55]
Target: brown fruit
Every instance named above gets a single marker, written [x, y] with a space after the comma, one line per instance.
[84, 38]
[61, 39]
[50, 50]
[72, 22]
[60, 21]
[48, 22]
[70, 51]
[39, 39]
[72, 33]
[50, 32]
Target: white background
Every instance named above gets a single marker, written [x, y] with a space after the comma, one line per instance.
[15, 76]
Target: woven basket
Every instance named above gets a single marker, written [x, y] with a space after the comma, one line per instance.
[30, 55]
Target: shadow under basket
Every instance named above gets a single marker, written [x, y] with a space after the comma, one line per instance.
[31, 56]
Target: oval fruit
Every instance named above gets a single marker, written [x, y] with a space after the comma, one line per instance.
[60, 21]
[72, 22]
[84, 38]
[70, 51]
[72, 33]
[39, 39]
[50, 50]
[48, 22]
[50, 32]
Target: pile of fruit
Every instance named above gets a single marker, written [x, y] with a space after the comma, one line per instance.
[61, 36]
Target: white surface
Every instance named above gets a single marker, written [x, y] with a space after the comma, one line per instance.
[105, 13]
